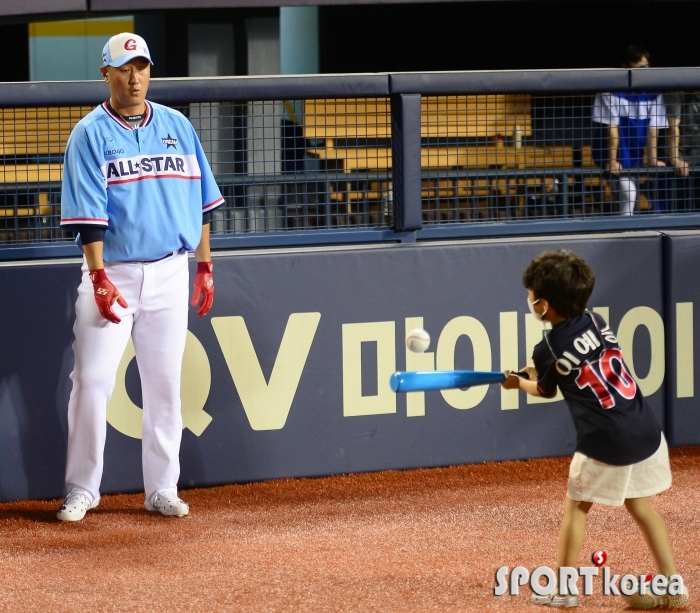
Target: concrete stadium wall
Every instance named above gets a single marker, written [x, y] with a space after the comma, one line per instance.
[288, 376]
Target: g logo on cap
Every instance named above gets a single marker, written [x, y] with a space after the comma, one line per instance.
[124, 47]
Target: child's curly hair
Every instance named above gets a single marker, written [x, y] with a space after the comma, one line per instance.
[563, 279]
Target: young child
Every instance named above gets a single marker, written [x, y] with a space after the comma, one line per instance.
[621, 454]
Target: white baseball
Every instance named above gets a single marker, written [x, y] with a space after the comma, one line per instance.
[418, 340]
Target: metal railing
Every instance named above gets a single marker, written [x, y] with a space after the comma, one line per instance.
[388, 157]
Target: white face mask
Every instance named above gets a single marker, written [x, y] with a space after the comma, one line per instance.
[531, 306]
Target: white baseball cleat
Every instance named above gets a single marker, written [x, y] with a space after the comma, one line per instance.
[555, 600]
[652, 601]
[75, 506]
[168, 504]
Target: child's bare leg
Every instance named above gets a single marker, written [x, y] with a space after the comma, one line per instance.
[572, 531]
[655, 534]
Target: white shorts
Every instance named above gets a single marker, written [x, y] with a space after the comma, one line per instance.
[594, 481]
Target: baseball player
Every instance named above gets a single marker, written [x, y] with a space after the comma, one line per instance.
[137, 189]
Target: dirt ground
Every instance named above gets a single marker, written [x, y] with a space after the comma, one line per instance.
[398, 541]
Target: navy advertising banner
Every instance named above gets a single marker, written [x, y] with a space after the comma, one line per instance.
[681, 258]
[288, 375]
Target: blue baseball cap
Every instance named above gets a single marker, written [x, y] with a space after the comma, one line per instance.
[123, 48]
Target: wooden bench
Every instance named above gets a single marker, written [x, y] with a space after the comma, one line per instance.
[366, 122]
[451, 190]
[496, 117]
[41, 131]
[32, 143]
[492, 116]
[361, 125]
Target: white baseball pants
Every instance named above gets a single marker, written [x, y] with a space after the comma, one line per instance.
[627, 193]
[156, 319]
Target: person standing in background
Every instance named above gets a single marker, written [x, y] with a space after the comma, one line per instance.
[626, 126]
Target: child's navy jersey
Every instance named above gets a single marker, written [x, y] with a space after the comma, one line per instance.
[148, 187]
[613, 422]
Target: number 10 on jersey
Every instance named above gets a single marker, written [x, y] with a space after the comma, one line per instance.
[604, 379]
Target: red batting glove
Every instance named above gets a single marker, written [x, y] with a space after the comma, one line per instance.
[203, 288]
[105, 295]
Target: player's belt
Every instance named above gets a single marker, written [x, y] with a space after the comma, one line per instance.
[165, 257]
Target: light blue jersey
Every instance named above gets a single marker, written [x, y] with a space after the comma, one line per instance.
[148, 187]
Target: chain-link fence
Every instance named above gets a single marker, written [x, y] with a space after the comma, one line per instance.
[32, 144]
[281, 165]
[501, 158]
[297, 166]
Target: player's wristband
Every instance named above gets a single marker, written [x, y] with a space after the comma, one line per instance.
[91, 234]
